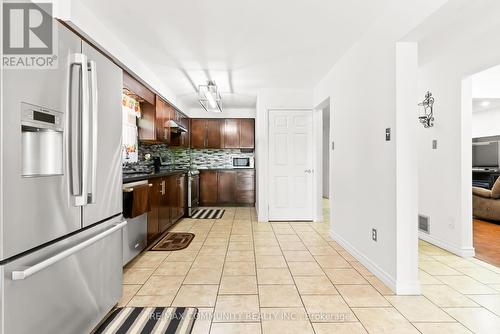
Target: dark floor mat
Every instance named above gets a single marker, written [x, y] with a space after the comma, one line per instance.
[173, 242]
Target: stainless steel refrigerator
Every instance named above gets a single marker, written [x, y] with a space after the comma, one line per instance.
[61, 192]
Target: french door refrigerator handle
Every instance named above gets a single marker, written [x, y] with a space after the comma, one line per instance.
[80, 198]
[23, 274]
[94, 106]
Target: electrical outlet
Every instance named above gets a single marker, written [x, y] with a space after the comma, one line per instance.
[374, 234]
[434, 144]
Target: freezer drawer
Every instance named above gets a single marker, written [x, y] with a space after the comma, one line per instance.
[65, 288]
[134, 237]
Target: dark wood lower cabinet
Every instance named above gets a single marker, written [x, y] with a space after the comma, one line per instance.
[227, 187]
[208, 188]
[168, 203]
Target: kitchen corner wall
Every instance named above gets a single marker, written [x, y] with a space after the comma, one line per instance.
[197, 158]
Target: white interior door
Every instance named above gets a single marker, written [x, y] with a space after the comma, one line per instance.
[290, 165]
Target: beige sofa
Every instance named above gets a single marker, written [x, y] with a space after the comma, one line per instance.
[486, 203]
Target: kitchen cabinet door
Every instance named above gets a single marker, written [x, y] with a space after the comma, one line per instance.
[231, 133]
[198, 133]
[154, 192]
[208, 188]
[213, 133]
[245, 187]
[161, 117]
[184, 140]
[226, 187]
[247, 133]
[164, 207]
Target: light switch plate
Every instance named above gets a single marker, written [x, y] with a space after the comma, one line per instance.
[374, 234]
[387, 134]
[434, 144]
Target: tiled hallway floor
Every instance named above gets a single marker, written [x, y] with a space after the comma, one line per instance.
[249, 277]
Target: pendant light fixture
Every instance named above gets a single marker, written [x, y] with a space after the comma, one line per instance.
[209, 97]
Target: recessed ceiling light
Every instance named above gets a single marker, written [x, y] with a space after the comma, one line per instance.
[485, 104]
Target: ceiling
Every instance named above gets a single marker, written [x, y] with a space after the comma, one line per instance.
[242, 45]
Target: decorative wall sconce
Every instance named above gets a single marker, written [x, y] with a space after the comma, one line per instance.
[427, 118]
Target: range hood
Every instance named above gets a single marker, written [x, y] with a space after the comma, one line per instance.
[175, 127]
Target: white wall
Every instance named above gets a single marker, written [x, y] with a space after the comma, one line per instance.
[446, 63]
[326, 152]
[271, 99]
[362, 91]
[226, 113]
[87, 23]
[486, 123]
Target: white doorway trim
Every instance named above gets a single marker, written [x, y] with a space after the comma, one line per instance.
[312, 216]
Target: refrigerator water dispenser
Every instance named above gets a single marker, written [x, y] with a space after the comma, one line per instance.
[42, 141]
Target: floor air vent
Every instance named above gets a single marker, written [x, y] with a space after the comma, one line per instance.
[423, 223]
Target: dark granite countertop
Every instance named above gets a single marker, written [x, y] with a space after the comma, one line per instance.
[127, 178]
[224, 168]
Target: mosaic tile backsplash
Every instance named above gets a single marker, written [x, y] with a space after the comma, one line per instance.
[197, 158]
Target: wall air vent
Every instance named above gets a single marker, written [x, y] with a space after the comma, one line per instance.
[424, 223]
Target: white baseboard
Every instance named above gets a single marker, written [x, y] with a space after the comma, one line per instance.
[369, 264]
[457, 250]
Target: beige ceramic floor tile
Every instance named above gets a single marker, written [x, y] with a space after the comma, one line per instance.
[196, 295]
[426, 278]
[305, 269]
[339, 328]
[128, 291]
[379, 285]
[267, 250]
[204, 276]
[298, 256]
[330, 261]
[235, 328]
[277, 321]
[146, 301]
[285, 246]
[466, 285]
[148, 260]
[238, 285]
[361, 269]
[491, 302]
[209, 261]
[326, 250]
[345, 276]
[239, 268]
[279, 296]
[454, 261]
[444, 296]
[271, 261]
[442, 328]
[437, 269]
[362, 296]
[384, 321]
[237, 309]
[247, 245]
[328, 309]
[240, 256]
[478, 320]
[173, 269]
[418, 309]
[274, 276]
[482, 275]
[136, 276]
[181, 256]
[203, 321]
[315, 285]
[161, 285]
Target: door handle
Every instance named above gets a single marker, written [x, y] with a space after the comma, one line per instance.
[309, 171]
[94, 106]
[23, 274]
[80, 197]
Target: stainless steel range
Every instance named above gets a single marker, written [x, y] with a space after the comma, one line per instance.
[193, 191]
[61, 192]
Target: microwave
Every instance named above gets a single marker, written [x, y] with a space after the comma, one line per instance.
[242, 162]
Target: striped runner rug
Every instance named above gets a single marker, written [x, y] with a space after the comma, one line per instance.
[149, 320]
[208, 214]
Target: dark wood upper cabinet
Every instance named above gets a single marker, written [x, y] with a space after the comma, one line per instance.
[231, 133]
[247, 133]
[198, 133]
[208, 188]
[135, 87]
[213, 133]
[226, 187]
